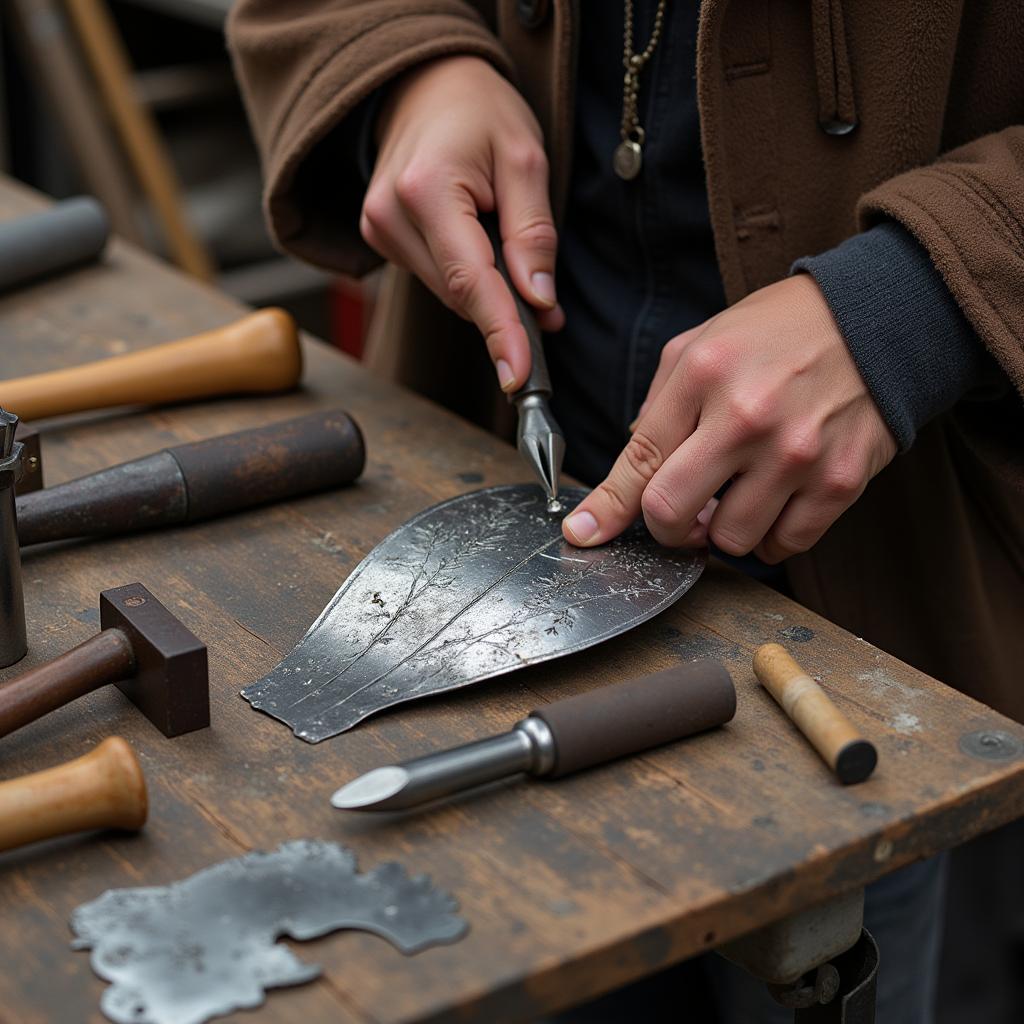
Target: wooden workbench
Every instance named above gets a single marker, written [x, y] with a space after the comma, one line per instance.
[570, 888]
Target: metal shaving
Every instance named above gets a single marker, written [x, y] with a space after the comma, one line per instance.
[206, 945]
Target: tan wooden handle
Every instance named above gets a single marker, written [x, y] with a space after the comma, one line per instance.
[103, 789]
[260, 352]
[831, 733]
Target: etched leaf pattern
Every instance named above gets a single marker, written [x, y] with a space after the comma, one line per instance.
[469, 589]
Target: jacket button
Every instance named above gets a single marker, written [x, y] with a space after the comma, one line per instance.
[532, 12]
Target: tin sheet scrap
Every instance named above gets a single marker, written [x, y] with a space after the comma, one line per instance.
[207, 945]
[472, 588]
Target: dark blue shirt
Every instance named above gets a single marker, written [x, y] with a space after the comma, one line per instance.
[636, 258]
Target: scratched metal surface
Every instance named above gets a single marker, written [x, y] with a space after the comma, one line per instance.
[207, 945]
[469, 589]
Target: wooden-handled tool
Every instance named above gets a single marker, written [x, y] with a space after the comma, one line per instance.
[103, 789]
[258, 353]
[142, 648]
[831, 733]
[193, 482]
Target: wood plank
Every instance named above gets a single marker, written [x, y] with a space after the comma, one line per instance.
[571, 888]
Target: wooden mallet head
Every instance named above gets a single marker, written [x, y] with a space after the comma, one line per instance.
[154, 660]
[170, 683]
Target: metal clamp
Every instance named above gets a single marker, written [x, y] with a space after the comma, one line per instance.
[820, 962]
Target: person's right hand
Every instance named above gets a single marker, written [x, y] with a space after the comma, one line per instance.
[455, 139]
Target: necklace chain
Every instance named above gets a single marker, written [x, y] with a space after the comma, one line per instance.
[628, 154]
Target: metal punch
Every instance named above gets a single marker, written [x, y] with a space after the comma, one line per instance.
[539, 438]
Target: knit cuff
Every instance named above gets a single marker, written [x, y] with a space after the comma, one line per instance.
[913, 346]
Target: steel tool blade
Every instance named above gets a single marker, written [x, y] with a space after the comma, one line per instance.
[472, 588]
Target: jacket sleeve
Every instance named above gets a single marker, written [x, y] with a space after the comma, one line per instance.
[967, 210]
[305, 69]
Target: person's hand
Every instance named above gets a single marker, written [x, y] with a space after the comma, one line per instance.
[455, 139]
[766, 395]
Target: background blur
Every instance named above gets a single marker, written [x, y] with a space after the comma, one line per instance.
[99, 97]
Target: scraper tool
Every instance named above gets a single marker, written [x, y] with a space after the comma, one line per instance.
[561, 738]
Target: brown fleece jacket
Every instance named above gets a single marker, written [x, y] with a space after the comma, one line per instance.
[930, 562]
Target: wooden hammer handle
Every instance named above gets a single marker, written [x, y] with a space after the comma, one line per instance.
[831, 733]
[260, 352]
[104, 658]
[103, 789]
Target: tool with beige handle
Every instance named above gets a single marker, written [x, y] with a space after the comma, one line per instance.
[258, 353]
[831, 733]
[103, 789]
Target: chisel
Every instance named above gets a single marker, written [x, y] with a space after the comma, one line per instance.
[567, 736]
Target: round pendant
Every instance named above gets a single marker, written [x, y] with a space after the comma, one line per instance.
[627, 159]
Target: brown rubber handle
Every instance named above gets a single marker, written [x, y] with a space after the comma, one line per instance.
[103, 789]
[831, 733]
[258, 353]
[625, 718]
[102, 659]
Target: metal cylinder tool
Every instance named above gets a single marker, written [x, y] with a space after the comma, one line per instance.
[13, 641]
[193, 482]
[561, 738]
[67, 235]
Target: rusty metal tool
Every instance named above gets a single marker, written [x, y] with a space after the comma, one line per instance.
[258, 353]
[830, 732]
[193, 482]
[539, 437]
[13, 641]
[207, 944]
[103, 789]
[31, 459]
[70, 233]
[141, 648]
[560, 738]
[474, 587]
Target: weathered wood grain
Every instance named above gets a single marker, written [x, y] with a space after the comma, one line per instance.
[571, 887]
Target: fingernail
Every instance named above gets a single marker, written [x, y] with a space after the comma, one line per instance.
[506, 378]
[543, 285]
[705, 514]
[582, 526]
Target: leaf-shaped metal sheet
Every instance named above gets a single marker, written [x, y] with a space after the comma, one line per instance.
[469, 589]
[204, 946]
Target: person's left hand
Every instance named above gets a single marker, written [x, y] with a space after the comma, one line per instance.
[765, 394]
